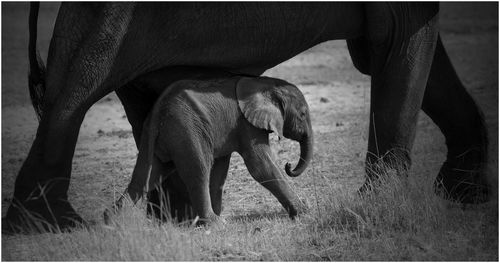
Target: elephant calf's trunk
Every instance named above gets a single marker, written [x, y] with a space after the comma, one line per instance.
[306, 152]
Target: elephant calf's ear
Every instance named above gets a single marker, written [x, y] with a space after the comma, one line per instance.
[255, 103]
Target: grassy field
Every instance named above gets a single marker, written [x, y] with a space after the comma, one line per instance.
[402, 221]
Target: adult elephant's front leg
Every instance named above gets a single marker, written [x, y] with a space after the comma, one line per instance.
[402, 39]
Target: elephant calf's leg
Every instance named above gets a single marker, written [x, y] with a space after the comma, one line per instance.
[171, 198]
[194, 171]
[263, 169]
[446, 101]
[217, 178]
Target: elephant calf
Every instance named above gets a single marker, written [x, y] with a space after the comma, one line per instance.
[197, 124]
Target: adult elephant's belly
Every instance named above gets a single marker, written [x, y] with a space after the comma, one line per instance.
[245, 37]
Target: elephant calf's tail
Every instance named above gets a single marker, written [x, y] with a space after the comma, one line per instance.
[36, 75]
[151, 136]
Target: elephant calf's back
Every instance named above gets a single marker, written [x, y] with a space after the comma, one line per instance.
[201, 114]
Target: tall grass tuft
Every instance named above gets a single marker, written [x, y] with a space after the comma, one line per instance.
[401, 219]
[396, 203]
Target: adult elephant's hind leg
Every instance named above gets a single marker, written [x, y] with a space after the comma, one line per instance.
[402, 37]
[42, 183]
[78, 74]
[137, 104]
[446, 101]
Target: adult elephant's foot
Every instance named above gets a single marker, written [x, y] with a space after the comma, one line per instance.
[41, 215]
[378, 170]
[463, 180]
[211, 220]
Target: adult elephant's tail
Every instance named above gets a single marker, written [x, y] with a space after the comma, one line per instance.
[36, 75]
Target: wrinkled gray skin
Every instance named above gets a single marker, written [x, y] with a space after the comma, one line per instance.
[198, 123]
[102, 47]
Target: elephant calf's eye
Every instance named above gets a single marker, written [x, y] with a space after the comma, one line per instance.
[303, 115]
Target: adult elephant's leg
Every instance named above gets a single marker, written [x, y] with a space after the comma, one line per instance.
[447, 102]
[218, 177]
[137, 103]
[402, 38]
[359, 50]
[41, 186]
[77, 76]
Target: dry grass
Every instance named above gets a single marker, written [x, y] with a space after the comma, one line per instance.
[401, 220]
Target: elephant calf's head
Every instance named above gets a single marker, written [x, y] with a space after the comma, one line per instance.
[278, 106]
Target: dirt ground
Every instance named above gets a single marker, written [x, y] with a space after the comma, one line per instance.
[336, 92]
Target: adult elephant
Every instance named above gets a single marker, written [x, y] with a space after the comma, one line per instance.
[98, 48]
